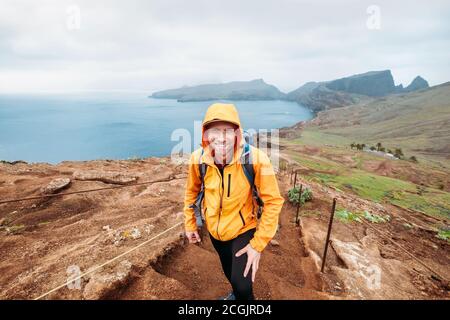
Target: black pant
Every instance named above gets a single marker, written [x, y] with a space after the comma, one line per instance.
[233, 266]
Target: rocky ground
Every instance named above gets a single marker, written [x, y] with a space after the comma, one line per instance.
[45, 242]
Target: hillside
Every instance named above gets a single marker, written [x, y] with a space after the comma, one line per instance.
[237, 90]
[350, 90]
[45, 241]
[418, 122]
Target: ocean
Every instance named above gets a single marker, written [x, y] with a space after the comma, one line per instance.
[115, 125]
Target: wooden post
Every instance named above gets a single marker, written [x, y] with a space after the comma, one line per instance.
[297, 222]
[295, 178]
[330, 224]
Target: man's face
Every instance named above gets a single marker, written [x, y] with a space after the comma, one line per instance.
[221, 137]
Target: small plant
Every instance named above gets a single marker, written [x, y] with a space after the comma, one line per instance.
[293, 195]
[375, 218]
[347, 216]
[395, 194]
[444, 234]
[408, 226]
[16, 229]
[421, 190]
[135, 158]
[413, 159]
[398, 153]
[378, 146]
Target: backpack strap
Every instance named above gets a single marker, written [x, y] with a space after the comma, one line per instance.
[197, 205]
[249, 171]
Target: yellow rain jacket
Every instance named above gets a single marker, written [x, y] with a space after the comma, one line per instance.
[230, 210]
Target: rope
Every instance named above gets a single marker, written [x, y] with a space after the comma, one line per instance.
[85, 191]
[108, 262]
[389, 238]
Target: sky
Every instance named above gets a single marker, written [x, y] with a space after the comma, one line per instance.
[60, 45]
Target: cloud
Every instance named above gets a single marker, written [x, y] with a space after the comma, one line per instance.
[153, 45]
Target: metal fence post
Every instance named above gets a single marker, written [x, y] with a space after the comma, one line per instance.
[330, 224]
[298, 204]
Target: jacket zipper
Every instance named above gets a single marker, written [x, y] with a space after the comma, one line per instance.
[221, 197]
[229, 184]
[242, 218]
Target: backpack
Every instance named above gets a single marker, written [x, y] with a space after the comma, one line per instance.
[249, 172]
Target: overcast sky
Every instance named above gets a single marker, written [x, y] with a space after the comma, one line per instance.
[152, 45]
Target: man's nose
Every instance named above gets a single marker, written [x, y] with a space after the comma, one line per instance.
[221, 138]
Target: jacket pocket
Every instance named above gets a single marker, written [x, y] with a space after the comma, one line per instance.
[242, 218]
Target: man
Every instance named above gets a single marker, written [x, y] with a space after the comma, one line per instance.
[229, 208]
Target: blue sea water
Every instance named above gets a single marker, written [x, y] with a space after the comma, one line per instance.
[86, 126]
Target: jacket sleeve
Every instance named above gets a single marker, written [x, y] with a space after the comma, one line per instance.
[266, 182]
[193, 185]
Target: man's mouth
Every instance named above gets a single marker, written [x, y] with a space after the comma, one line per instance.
[220, 147]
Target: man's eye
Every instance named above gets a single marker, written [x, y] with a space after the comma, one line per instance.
[215, 131]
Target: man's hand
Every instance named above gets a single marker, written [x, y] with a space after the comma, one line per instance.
[253, 257]
[193, 236]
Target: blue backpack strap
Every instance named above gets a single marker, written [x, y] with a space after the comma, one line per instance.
[197, 205]
[249, 171]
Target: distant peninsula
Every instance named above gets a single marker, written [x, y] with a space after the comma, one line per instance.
[316, 96]
[237, 90]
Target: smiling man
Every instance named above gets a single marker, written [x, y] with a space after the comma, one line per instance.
[228, 193]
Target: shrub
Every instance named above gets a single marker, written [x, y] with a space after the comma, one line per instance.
[374, 218]
[444, 234]
[293, 195]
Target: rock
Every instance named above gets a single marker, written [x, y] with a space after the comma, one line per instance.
[106, 228]
[105, 176]
[274, 243]
[149, 228]
[14, 162]
[179, 215]
[56, 185]
[135, 233]
[373, 83]
[417, 84]
[102, 283]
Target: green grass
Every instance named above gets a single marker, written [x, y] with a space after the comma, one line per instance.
[398, 191]
[347, 216]
[16, 229]
[385, 189]
[432, 201]
[375, 218]
[444, 235]
[314, 137]
[315, 163]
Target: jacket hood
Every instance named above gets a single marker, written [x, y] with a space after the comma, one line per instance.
[222, 112]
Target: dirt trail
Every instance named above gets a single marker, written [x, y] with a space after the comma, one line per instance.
[194, 271]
